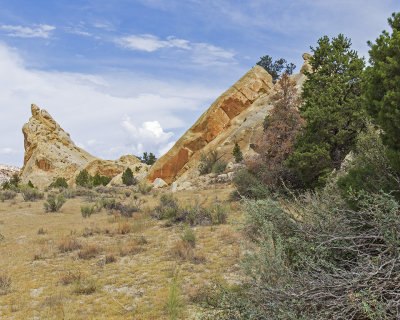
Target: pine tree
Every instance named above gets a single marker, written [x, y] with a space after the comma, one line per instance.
[127, 177]
[281, 127]
[83, 179]
[237, 153]
[332, 109]
[381, 87]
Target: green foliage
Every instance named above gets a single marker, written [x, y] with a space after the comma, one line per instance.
[317, 259]
[370, 169]
[83, 179]
[31, 194]
[99, 180]
[149, 159]
[60, 183]
[54, 202]
[15, 180]
[30, 184]
[211, 163]
[6, 185]
[7, 195]
[381, 87]
[237, 153]
[189, 237]
[87, 211]
[127, 178]
[276, 67]
[249, 185]
[332, 109]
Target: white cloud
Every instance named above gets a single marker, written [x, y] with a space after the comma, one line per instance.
[92, 107]
[37, 31]
[149, 136]
[200, 53]
[150, 43]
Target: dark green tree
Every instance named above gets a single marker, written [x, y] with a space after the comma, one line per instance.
[237, 153]
[59, 183]
[381, 87]
[83, 179]
[148, 158]
[97, 180]
[277, 67]
[127, 177]
[15, 180]
[332, 109]
[30, 184]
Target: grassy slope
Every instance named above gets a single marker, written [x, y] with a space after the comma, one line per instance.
[135, 286]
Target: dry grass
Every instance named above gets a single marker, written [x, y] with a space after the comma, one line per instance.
[89, 252]
[128, 278]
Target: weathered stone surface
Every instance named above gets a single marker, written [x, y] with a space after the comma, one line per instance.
[236, 116]
[221, 116]
[6, 172]
[50, 153]
[159, 183]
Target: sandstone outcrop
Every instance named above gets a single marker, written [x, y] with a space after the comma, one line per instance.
[6, 172]
[50, 153]
[236, 116]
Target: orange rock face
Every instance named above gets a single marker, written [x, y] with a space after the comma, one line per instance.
[214, 122]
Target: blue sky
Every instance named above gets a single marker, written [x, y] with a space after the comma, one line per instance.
[123, 76]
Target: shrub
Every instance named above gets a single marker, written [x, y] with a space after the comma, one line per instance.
[84, 286]
[71, 277]
[15, 180]
[110, 258]
[87, 211]
[60, 183]
[167, 207]
[189, 237]
[6, 185]
[30, 184]
[31, 194]
[318, 259]
[128, 179]
[144, 188]
[237, 153]
[99, 180]
[248, 185]
[83, 179]
[54, 203]
[88, 252]
[211, 163]
[5, 283]
[68, 244]
[7, 195]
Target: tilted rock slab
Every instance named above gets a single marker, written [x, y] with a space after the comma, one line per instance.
[236, 116]
[50, 153]
[220, 118]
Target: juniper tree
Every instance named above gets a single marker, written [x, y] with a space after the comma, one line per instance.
[381, 87]
[332, 109]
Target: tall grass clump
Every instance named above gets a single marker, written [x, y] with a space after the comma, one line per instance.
[174, 303]
[54, 202]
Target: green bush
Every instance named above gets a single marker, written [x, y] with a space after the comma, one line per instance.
[370, 168]
[7, 195]
[54, 202]
[144, 188]
[248, 185]
[60, 183]
[99, 180]
[317, 259]
[237, 153]
[30, 184]
[31, 194]
[83, 179]
[128, 179]
[189, 237]
[87, 211]
[211, 163]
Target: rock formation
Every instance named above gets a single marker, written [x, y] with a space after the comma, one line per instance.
[236, 116]
[6, 172]
[50, 153]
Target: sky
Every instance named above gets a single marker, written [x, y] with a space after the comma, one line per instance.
[124, 76]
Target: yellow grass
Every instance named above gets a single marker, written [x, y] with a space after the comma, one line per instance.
[63, 266]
